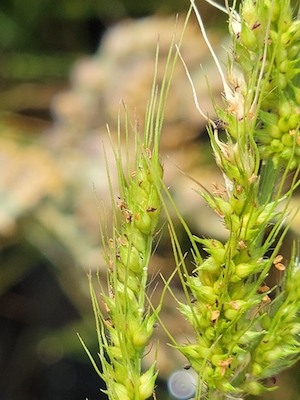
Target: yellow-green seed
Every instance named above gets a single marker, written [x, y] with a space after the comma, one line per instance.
[231, 314]
[142, 221]
[130, 256]
[283, 124]
[294, 120]
[248, 38]
[287, 139]
[256, 369]
[121, 391]
[147, 383]
[243, 270]
[277, 146]
[254, 388]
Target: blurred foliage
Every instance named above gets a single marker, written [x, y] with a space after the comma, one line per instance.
[46, 25]
[36, 67]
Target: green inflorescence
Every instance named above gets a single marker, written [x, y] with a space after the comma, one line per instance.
[247, 331]
[265, 69]
[129, 326]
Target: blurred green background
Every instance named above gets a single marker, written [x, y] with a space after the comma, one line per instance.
[52, 75]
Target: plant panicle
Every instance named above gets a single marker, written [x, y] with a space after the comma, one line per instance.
[245, 331]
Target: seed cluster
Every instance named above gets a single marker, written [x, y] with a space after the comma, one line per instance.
[265, 77]
[129, 325]
[243, 337]
[231, 301]
[246, 331]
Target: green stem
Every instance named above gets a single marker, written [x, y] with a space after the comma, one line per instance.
[268, 180]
